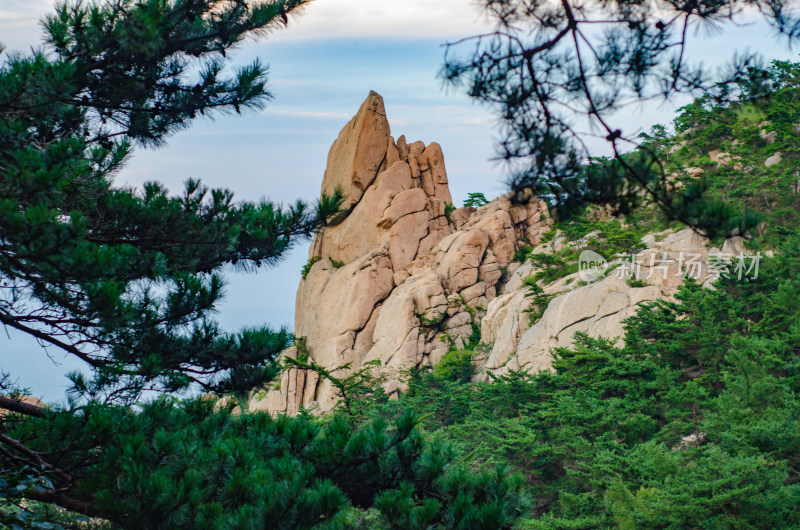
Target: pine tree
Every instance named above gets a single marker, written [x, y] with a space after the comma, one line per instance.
[194, 464]
[125, 279]
[556, 73]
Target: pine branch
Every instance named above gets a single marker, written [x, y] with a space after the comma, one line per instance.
[12, 322]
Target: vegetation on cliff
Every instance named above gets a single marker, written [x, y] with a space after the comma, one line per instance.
[549, 70]
[691, 424]
[745, 153]
[694, 421]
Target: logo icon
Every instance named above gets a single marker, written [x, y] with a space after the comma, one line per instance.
[591, 266]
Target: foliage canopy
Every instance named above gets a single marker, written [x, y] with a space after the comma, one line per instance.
[558, 72]
[126, 279]
[691, 424]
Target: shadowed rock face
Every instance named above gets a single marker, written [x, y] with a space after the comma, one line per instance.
[399, 281]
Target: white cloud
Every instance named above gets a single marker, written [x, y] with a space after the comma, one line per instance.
[321, 19]
[23, 9]
[19, 22]
[410, 19]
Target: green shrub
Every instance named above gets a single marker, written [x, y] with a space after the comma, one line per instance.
[636, 282]
[531, 283]
[456, 365]
[549, 235]
[546, 260]
[448, 209]
[553, 273]
[538, 307]
[748, 115]
[476, 200]
[432, 321]
[522, 253]
[612, 237]
[302, 349]
[310, 263]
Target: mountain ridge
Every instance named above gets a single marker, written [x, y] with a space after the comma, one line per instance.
[402, 279]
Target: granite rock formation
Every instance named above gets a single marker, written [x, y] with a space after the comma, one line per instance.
[400, 276]
[597, 308]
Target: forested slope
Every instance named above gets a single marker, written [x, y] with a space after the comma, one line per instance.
[695, 421]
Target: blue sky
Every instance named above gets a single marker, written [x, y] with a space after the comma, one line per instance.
[322, 67]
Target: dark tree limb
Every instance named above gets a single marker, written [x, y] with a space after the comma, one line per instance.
[15, 405]
[63, 500]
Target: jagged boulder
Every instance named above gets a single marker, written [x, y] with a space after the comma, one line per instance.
[358, 154]
[396, 194]
[335, 305]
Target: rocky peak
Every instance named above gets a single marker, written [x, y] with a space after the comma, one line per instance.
[401, 278]
[359, 153]
[396, 192]
[398, 277]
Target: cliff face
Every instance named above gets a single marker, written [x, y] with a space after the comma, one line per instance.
[401, 280]
[598, 307]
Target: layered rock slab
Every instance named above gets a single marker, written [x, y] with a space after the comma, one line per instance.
[598, 308]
